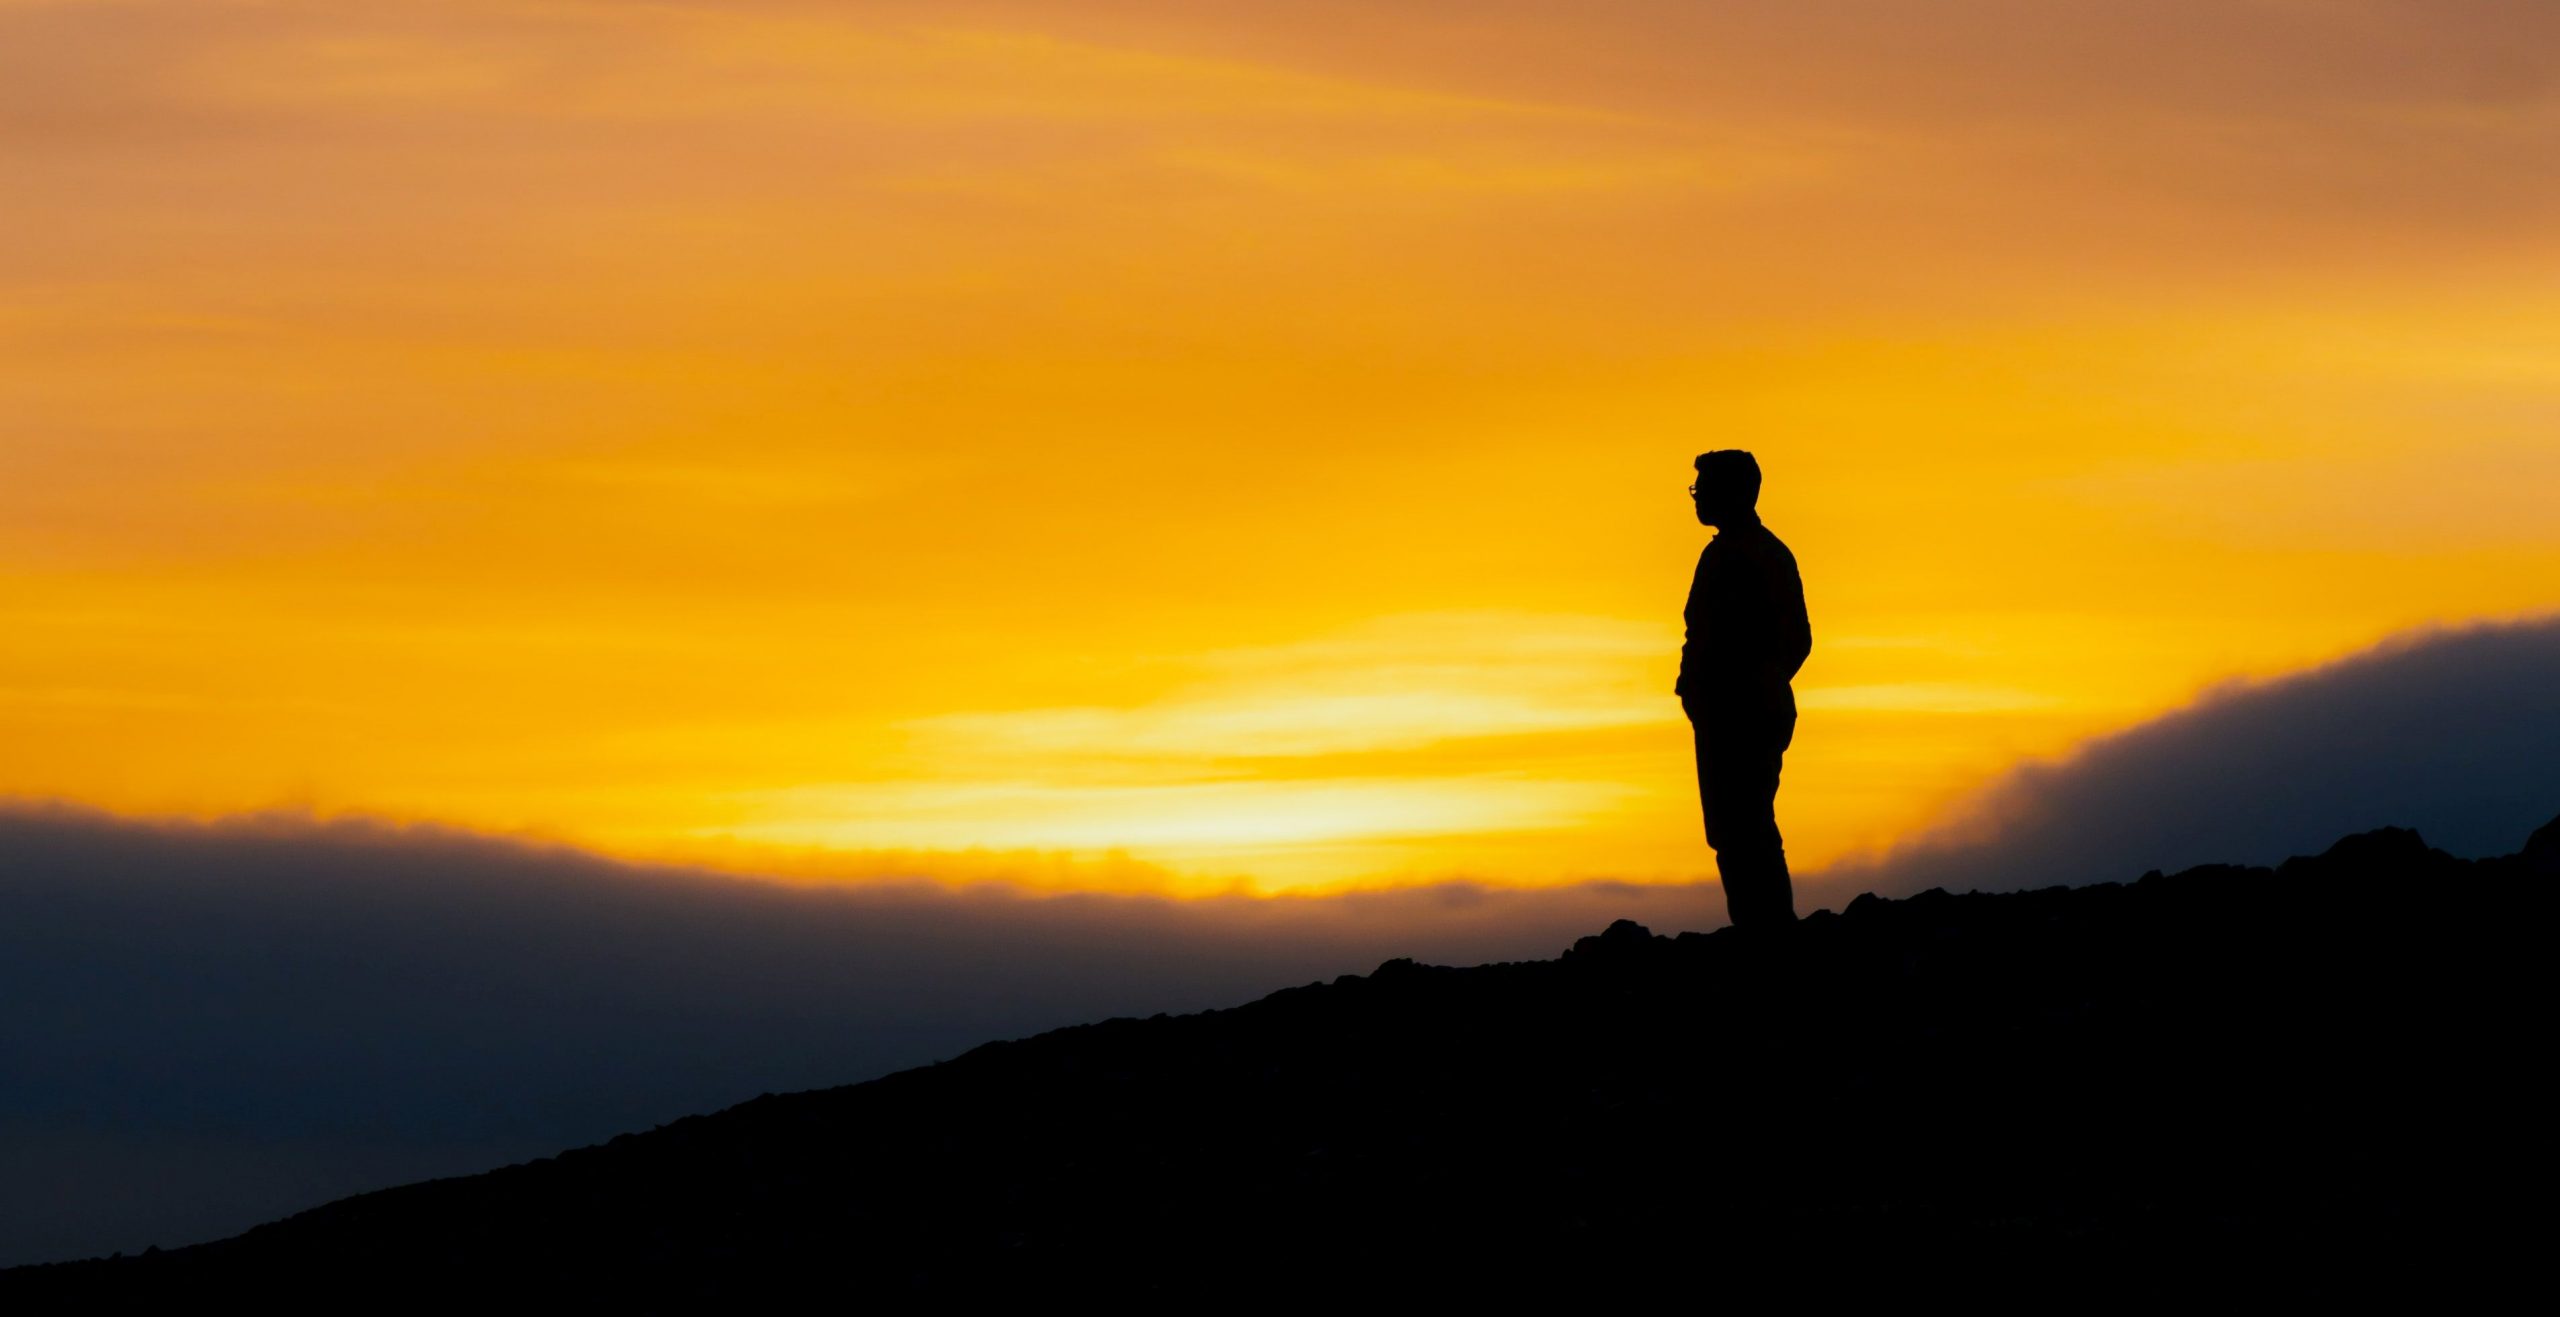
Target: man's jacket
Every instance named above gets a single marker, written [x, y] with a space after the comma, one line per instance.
[1748, 633]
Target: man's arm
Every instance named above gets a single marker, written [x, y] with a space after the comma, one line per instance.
[1794, 630]
[1691, 659]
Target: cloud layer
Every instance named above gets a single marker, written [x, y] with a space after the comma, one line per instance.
[2455, 733]
[1016, 423]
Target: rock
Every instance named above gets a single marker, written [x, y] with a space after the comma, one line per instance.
[2380, 846]
[2542, 850]
[1617, 939]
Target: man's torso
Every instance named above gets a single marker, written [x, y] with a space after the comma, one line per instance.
[1745, 629]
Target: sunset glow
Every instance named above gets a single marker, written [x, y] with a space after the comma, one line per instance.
[1224, 445]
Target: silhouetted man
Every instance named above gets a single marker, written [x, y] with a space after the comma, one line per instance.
[1748, 635]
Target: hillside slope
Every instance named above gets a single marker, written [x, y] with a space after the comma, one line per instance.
[2299, 1078]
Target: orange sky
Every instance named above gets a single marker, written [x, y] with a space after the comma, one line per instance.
[1244, 437]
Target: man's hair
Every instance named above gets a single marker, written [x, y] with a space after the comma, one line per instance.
[1733, 469]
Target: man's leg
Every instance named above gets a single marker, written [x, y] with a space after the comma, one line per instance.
[1738, 788]
[1736, 907]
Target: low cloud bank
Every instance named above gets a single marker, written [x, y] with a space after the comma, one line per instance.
[203, 1027]
[2453, 732]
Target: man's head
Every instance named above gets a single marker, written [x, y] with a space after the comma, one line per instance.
[1728, 487]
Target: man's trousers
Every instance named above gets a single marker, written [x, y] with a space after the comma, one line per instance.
[1738, 759]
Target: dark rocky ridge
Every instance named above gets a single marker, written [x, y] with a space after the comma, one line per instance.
[2295, 1080]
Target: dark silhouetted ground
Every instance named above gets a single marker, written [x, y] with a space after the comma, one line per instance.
[2223, 1086]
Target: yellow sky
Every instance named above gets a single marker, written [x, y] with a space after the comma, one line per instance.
[1243, 438]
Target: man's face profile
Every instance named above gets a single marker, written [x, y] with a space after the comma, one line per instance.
[1711, 497]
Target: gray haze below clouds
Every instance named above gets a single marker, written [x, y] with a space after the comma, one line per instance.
[205, 1027]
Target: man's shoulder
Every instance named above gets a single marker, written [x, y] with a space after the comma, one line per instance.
[1764, 543]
